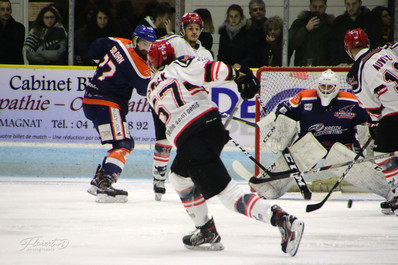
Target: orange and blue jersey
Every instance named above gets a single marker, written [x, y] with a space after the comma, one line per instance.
[334, 123]
[120, 69]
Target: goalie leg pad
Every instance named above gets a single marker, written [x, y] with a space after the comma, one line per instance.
[367, 175]
[306, 152]
[283, 133]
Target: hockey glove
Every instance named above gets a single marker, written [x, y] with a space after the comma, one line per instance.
[248, 85]
[373, 129]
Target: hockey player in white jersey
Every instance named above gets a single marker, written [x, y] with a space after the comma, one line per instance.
[374, 79]
[193, 125]
[191, 25]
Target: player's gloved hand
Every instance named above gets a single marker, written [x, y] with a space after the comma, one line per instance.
[372, 129]
[248, 84]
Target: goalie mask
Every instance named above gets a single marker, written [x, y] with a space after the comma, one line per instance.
[328, 87]
[160, 53]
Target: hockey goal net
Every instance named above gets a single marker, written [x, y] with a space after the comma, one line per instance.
[279, 84]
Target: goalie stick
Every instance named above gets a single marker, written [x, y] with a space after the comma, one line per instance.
[283, 175]
[270, 173]
[316, 206]
[298, 176]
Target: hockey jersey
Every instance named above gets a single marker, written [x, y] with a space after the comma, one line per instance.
[120, 69]
[335, 123]
[374, 79]
[178, 98]
[182, 48]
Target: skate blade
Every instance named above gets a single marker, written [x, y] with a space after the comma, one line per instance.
[293, 245]
[158, 196]
[206, 247]
[103, 198]
[92, 190]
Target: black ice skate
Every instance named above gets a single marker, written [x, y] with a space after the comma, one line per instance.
[159, 188]
[390, 207]
[204, 238]
[290, 227]
[101, 186]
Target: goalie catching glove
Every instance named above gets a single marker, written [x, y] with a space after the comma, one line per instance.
[248, 84]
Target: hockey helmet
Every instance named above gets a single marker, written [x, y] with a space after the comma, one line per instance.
[145, 33]
[355, 38]
[328, 87]
[160, 53]
[189, 18]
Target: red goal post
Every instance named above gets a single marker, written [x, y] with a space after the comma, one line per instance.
[281, 83]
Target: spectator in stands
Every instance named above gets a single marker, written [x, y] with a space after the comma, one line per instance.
[355, 16]
[274, 37]
[47, 40]
[100, 26]
[382, 18]
[232, 48]
[205, 36]
[256, 34]
[160, 18]
[12, 36]
[311, 36]
[125, 18]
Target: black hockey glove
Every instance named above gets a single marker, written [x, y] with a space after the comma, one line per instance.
[373, 129]
[248, 85]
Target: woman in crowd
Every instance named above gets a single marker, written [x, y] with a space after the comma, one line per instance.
[101, 25]
[273, 30]
[47, 40]
[205, 38]
[233, 47]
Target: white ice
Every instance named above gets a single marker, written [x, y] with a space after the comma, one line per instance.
[55, 221]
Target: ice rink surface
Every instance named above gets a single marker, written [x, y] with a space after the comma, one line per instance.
[55, 221]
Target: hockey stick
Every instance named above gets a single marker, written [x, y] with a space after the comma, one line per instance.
[298, 176]
[277, 176]
[316, 206]
[270, 173]
[233, 112]
[252, 124]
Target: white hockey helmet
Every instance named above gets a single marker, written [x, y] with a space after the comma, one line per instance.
[328, 87]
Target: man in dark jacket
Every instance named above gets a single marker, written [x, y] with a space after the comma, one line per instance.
[12, 36]
[311, 36]
[356, 16]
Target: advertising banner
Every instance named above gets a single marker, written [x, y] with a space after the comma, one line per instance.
[45, 105]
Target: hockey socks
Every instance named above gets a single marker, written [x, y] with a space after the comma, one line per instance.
[160, 161]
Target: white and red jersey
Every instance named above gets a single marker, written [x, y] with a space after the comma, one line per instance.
[177, 95]
[182, 48]
[374, 79]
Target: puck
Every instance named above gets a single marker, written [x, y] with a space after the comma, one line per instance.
[349, 204]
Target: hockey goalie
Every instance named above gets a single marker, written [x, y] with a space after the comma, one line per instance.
[323, 124]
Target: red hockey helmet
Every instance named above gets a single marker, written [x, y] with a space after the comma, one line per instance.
[356, 38]
[189, 18]
[160, 53]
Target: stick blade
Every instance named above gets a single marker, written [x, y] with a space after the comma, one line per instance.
[313, 207]
[241, 170]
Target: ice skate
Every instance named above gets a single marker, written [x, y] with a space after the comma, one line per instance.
[204, 238]
[390, 207]
[101, 186]
[159, 188]
[290, 227]
[95, 182]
